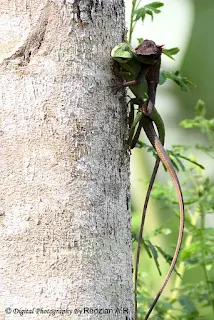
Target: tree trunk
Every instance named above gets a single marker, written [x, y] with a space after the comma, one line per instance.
[65, 219]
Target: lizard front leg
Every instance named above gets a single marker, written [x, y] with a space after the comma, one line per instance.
[140, 78]
[152, 79]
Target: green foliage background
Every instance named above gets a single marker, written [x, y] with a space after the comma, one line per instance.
[193, 294]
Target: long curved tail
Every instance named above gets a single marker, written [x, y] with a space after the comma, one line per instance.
[156, 118]
[151, 182]
[154, 140]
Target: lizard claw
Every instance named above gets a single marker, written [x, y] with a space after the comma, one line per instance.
[117, 87]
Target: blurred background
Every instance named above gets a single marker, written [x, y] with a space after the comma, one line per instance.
[189, 25]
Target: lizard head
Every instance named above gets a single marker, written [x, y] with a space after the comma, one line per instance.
[147, 52]
[122, 53]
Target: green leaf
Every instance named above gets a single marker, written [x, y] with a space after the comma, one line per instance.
[149, 12]
[165, 231]
[155, 255]
[147, 249]
[190, 252]
[157, 232]
[162, 78]
[154, 6]
[167, 257]
[134, 236]
[148, 9]
[140, 14]
[140, 40]
[175, 165]
[206, 126]
[187, 123]
[200, 108]
[192, 161]
[175, 76]
[188, 305]
[178, 155]
[171, 52]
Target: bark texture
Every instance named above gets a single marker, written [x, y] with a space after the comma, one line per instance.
[65, 220]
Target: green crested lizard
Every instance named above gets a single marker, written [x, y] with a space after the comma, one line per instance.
[131, 68]
[135, 65]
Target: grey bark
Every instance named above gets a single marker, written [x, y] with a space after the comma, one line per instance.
[65, 219]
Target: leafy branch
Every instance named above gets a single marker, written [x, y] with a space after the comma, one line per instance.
[175, 76]
[141, 13]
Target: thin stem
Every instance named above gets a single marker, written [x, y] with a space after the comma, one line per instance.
[209, 136]
[132, 24]
[131, 28]
[203, 262]
[209, 155]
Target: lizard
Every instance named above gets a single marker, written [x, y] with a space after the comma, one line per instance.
[147, 53]
[131, 67]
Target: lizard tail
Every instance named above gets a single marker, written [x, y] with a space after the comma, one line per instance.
[157, 163]
[154, 140]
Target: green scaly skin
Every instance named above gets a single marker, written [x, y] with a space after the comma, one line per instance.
[131, 68]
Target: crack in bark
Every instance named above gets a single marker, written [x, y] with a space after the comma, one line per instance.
[82, 14]
[34, 40]
[76, 11]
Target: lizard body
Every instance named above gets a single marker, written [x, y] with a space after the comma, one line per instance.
[144, 62]
[152, 78]
[130, 69]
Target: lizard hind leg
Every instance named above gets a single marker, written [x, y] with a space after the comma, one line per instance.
[134, 123]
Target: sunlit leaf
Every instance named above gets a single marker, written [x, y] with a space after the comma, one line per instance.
[171, 52]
